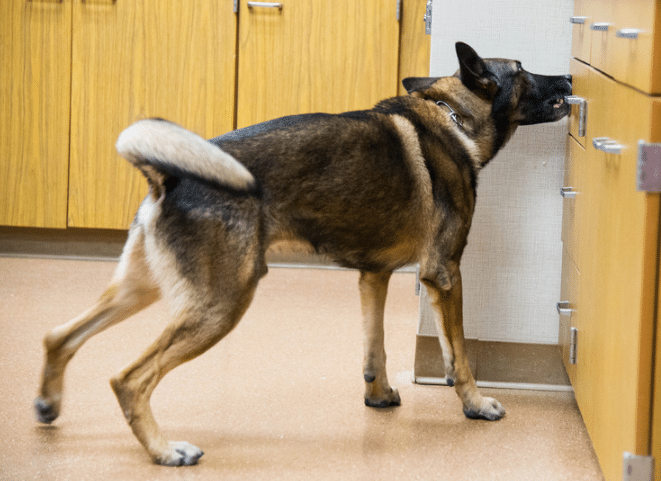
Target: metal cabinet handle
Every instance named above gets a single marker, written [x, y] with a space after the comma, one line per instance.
[582, 111]
[568, 192]
[564, 308]
[579, 20]
[628, 33]
[600, 26]
[265, 5]
[607, 145]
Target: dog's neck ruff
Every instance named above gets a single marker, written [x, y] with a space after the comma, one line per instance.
[456, 118]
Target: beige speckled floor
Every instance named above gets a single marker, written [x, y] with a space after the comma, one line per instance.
[280, 398]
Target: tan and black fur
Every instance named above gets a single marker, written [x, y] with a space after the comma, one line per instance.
[373, 190]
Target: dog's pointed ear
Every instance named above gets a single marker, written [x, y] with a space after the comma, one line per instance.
[417, 84]
[474, 72]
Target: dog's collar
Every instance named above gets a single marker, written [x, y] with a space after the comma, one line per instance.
[456, 118]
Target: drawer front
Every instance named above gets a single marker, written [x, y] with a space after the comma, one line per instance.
[581, 36]
[601, 17]
[622, 41]
[573, 196]
[568, 319]
[579, 111]
[633, 61]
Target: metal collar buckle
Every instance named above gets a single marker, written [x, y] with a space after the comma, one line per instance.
[453, 115]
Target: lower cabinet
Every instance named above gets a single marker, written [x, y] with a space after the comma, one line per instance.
[611, 270]
[75, 73]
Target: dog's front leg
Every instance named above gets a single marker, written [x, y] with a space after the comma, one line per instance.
[373, 289]
[447, 303]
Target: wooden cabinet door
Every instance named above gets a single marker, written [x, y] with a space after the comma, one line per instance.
[315, 56]
[618, 272]
[35, 77]
[136, 59]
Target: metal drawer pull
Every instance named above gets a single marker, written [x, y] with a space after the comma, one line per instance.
[568, 192]
[628, 33]
[579, 20]
[607, 145]
[582, 111]
[564, 308]
[265, 5]
[600, 26]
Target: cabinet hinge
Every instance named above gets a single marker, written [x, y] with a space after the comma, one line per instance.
[236, 6]
[649, 167]
[573, 345]
[637, 468]
[427, 17]
[399, 10]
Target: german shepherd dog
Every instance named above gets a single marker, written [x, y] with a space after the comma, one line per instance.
[373, 190]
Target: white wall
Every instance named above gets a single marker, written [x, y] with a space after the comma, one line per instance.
[512, 265]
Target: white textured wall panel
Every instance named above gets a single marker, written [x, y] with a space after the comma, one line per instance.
[512, 265]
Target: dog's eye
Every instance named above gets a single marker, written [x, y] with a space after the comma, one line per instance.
[519, 67]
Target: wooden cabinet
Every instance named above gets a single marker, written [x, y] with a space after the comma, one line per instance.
[77, 72]
[611, 241]
[35, 79]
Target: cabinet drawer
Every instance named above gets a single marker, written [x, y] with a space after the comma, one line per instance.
[622, 41]
[570, 297]
[581, 33]
[579, 112]
[573, 195]
[635, 61]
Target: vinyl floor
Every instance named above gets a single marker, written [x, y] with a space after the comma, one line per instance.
[280, 398]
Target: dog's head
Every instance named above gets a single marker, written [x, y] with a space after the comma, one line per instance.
[517, 97]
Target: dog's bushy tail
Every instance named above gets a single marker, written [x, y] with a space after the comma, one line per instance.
[162, 150]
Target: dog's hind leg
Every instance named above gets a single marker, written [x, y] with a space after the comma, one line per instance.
[446, 300]
[373, 290]
[199, 322]
[130, 290]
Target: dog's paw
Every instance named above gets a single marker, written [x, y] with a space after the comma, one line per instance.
[386, 400]
[46, 411]
[488, 409]
[180, 453]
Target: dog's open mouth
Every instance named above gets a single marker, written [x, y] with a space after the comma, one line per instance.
[557, 103]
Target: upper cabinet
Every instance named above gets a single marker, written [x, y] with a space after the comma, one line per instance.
[75, 73]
